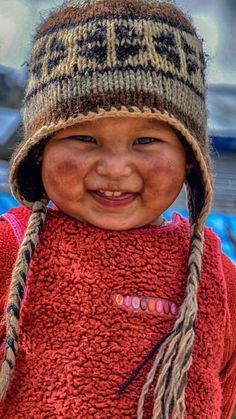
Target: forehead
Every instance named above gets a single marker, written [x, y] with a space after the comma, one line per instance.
[122, 121]
[120, 125]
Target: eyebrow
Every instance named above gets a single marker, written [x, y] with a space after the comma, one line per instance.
[150, 122]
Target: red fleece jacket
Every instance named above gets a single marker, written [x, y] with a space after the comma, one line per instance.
[97, 301]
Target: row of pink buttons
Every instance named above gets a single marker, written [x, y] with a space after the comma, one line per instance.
[149, 304]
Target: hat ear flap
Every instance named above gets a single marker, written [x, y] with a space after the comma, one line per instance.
[31, 168]
[195, 190]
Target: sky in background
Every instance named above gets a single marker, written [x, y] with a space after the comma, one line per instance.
[214, 19]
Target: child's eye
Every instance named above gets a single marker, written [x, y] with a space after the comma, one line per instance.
[146, 140]
[83, 138]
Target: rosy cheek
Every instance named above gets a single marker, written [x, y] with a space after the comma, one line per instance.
[161, 166]
[65, 168]
[166, 170]
[60, 171]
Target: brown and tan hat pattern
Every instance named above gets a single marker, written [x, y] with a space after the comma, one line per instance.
[95, 58]
[130, 57]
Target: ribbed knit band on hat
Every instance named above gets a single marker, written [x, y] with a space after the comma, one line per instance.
[126, 58]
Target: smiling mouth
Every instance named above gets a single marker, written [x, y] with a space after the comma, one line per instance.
[113, 198]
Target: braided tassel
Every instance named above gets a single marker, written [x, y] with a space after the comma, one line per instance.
[175, 354]
[16, 293]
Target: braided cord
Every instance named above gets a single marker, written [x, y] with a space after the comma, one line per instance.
[164, 350]
[184, 356]
[174, 388]
[16, 292]
[175, 354]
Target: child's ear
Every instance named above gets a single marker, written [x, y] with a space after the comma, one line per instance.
[190, 161]
[189, 165]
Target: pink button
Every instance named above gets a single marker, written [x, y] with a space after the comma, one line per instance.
[135, 302]
[127, 301]
[174, 309]
[166, 308]
[143, 303]
[159, 306]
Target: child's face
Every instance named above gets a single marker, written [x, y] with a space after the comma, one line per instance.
[141, 158]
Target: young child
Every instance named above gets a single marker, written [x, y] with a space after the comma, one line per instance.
[108, 310]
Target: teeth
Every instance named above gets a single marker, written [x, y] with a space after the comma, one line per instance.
[110, 193]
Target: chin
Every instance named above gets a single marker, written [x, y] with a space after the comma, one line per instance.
[114, 225]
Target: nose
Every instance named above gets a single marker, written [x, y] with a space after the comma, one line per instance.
[114, 165]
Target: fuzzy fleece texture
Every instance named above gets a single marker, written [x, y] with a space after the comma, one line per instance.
[77, 346]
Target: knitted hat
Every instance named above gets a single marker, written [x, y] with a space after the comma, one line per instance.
[96, 58]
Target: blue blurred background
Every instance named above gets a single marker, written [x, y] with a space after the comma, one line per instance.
[215, 21]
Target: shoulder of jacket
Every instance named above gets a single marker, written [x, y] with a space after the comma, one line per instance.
[18, 212]
[229, 270]
[13, 223]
